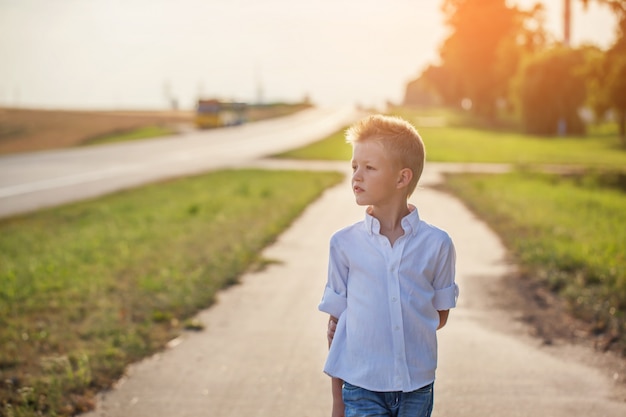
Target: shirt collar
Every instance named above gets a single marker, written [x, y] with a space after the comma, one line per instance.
[410, 222]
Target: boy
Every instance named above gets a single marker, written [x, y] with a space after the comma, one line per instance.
[390, 282]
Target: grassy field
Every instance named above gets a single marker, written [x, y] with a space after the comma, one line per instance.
[145, 132]
[88, 288]
[25, 130]
[475, 145]
[334, 147]
[460, 144]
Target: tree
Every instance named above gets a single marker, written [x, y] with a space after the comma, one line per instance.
[419, 93]
[551, 89]
[596, 74]
[617, 78]
[608, 74]
[615, 88]
[431, 87]
[479, 58]
[618, 6]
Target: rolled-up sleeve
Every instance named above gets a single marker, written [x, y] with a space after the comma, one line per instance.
[335, 301]
[446, 298]
[446, 290]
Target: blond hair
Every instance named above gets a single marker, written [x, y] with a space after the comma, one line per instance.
[399, 139]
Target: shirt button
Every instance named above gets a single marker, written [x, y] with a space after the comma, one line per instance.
[394, 299]
[397, 328]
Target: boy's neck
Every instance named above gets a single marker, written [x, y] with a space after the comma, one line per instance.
[390, 219]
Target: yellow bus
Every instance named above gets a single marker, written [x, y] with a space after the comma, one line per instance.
[216, 113]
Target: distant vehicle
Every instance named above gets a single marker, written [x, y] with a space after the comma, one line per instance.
[216, 113]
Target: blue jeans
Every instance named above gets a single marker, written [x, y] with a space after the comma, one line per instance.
[360, 402]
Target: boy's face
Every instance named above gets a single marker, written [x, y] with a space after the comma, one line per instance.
[374, 175]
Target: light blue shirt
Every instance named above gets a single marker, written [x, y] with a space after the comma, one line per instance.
[386, 299]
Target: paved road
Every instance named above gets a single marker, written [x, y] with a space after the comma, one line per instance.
[33, 180]
[263, 347]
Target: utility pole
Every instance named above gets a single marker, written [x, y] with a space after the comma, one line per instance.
[567, 19]
[259, 85]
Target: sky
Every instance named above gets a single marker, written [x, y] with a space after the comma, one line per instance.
[140, 54]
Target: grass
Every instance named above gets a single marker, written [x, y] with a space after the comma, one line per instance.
[145, 132]
[454, 144]
[567, 233]
[333, 147]
[457, 144]
[87, 288]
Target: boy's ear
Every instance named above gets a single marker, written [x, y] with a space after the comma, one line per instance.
[405, 177]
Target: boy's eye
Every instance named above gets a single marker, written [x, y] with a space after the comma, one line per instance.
[368, 167]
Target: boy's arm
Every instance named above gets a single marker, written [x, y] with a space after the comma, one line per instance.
[332, 326]
[339, 408]
[443, 318]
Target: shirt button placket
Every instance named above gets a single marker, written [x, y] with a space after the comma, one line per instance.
[395, 310]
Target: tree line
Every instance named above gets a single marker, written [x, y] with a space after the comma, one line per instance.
[498, 59]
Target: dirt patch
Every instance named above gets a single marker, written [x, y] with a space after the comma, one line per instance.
[547, 319]
[24, 130]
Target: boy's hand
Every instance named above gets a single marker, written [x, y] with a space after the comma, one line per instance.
[332, 326]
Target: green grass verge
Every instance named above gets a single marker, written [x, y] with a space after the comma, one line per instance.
[452, 144]
[333, 147]
[146, 132]
[460, 144]
[87, 288]
[565, 232]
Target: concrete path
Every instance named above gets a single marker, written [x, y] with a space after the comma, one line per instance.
[264, 345]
